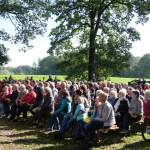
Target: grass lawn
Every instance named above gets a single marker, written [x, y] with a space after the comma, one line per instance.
[35, 77]
[62, 78]
[20, 136]
[121, 80]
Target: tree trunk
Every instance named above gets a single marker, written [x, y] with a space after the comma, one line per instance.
[91, 66]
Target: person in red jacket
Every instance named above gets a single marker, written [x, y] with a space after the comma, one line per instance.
[147, 105]
[26, 101]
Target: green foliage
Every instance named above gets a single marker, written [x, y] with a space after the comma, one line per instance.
[74, 64]
[3, 54]
[138, 67]
[102, 29]
[25, 69]
[143, 67]
[48, 65]
[28, 18]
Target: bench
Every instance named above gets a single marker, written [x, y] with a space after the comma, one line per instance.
[102, 132]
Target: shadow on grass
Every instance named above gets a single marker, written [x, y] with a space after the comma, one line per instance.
[28, 136]
[140, 145]
[47, 142]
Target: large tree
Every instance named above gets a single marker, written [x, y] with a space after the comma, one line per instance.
[28, 18]
[102, 28]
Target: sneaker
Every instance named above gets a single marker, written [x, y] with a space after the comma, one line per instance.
[124, 131]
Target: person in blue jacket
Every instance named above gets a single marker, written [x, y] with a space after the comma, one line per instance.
[61, 111]
[80, 115]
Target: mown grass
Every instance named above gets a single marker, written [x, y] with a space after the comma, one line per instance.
[63, 77]
[121, 80]
[21, 136]
[35, 77]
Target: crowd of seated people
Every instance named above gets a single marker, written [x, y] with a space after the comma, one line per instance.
[88, 106]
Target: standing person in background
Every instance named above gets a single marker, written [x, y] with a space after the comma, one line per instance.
[50, 78]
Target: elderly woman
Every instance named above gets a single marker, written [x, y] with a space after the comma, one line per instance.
[22, 91]
[11, 100]
[121, 111]
[26, 101]
[103, 116]
[112, 97]
[135, 108]
[46, 107]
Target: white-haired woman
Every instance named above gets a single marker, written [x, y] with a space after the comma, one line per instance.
[11, 101]
[22, 91]
[112, 97]
[46, 107]
[121, 111]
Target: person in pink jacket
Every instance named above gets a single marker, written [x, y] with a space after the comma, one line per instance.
[147, 105]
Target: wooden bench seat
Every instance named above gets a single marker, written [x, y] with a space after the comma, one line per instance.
[112, 128]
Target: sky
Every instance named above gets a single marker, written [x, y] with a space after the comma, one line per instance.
[41, 45]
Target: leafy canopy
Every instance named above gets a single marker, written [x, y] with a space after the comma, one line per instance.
[102, 29]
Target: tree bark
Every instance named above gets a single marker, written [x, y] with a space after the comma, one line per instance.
[91, 65]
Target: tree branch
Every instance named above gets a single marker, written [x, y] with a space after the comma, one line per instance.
[100, 12]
